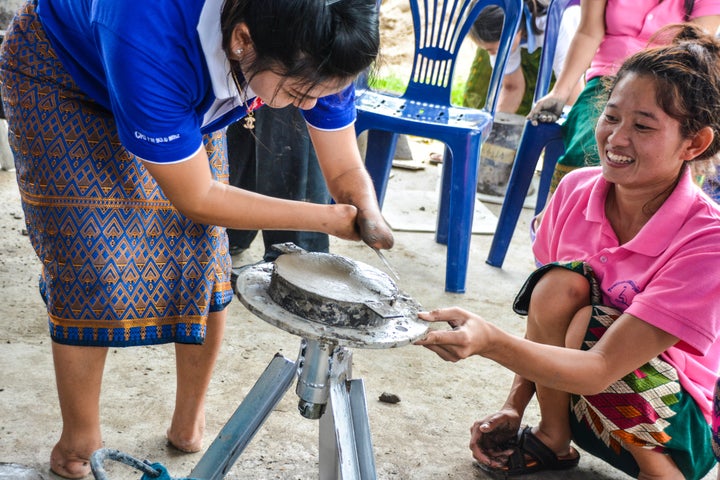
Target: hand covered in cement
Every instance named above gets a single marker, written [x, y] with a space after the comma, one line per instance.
[547, 110]
[493, 439]
[373, 229]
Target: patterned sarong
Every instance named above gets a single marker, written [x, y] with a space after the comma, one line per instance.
[647, 407]
[120, 266]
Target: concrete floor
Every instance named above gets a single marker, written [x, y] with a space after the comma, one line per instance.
[423, 437]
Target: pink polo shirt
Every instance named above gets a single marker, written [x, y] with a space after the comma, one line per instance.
[629, 24]
[668, 275]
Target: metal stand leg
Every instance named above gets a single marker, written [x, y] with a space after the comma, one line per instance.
[345, 443]
[246, 421]
[361, 426]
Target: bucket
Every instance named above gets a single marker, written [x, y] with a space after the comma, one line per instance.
[498, 153]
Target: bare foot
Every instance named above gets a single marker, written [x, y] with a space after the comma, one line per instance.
[187, 443]
[69, 464]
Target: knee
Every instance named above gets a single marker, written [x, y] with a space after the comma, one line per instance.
[561, 288]
[557, 297]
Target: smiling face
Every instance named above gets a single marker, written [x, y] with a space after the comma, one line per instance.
[640, 145]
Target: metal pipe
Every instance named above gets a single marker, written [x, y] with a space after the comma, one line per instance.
[313, 368]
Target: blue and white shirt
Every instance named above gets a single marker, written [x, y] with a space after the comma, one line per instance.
[159, 67]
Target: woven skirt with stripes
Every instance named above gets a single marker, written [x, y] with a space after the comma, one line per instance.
[120, 265]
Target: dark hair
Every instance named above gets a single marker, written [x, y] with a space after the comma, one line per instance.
[687, 72]
[311, 40]
[487, 27]
[689, 5]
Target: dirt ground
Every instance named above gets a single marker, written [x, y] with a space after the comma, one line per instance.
[422, 437]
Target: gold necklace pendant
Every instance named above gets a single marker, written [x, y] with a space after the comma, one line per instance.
[249, 121]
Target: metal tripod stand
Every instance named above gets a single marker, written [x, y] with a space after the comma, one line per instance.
[326, 392]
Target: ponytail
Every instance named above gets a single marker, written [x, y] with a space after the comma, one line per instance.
[689, 5]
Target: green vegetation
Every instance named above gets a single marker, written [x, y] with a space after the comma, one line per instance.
[394, 84]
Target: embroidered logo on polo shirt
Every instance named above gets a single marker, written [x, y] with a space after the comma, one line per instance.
[169, 138]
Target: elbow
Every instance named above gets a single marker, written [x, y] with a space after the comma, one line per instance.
[193, 211]
[199, 205]
[593, 385]
[593, 389]
[513, 88]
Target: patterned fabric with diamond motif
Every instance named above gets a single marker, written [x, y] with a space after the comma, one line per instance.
[120, 266]
[636, 408]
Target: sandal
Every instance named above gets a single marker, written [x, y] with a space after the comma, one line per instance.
[531, 455]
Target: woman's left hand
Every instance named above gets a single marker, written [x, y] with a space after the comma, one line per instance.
[373, 229]
[468, 336]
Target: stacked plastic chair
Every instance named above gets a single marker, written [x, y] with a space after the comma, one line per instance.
[535, 139]
[425, 110]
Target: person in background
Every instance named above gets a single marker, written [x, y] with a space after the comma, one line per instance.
[609, 32]
[276, 158]
[521, 70]
[620, 350]
[117, 119]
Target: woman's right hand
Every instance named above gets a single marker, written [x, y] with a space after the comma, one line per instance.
[469, 336]
[547, 110]
[493, 439]
[342, 221]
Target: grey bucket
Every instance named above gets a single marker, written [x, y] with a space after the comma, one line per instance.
[498, 154]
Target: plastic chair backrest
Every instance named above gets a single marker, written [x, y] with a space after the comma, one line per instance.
[440, 26]
[552, 28]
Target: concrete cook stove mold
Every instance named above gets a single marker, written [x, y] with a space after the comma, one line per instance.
[330, 298]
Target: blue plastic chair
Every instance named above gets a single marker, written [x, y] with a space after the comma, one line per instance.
[535, 139]
[424, 110]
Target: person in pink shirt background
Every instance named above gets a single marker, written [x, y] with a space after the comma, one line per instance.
[609, 32]
[621, 348]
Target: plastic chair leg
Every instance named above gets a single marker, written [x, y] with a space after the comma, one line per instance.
[531, 145]
[441, 231]
[553, 150]
[461, 203]
[378, 159]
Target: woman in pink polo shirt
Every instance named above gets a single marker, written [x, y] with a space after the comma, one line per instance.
[621, 345]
